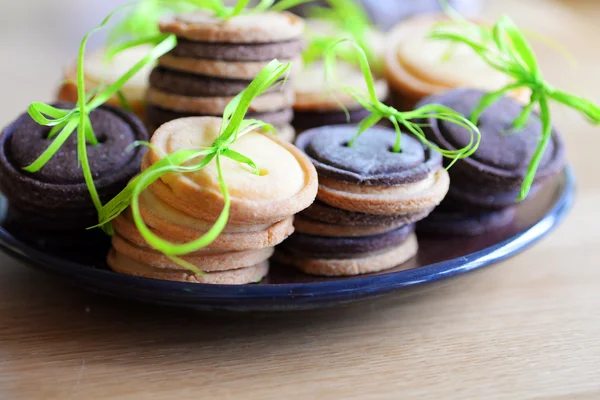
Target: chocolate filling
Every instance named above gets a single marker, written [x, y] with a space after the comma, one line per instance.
[371, 160]
[345, 247]
[238, 52]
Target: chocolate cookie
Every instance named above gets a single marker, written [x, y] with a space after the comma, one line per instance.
[58, 189]
[323, 247]
[465, 224]
[304, 120]
[239, 51]
[493, 175]
[371, 160]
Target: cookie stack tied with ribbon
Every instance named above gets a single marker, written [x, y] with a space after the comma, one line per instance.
[181, 208]
[485, 188]
[216, 59]
[369, 198]
[214, 197]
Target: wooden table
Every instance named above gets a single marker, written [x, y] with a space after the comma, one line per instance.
[528, 328]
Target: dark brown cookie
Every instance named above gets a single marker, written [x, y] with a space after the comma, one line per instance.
[371, 160]
[239, 51]
[304, 120]
[59, 189]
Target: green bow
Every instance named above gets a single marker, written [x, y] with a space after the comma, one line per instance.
[185, 161]
[380, 111]
[506, 49]
[241, 7]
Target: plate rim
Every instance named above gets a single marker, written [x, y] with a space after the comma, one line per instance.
[351, 287]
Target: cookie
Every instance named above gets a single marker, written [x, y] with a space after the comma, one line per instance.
[264, 27]
[365, 264]
[156, 116]
[239, 241]
[208, 262]
[221, 69]
[58, 189]
[286, 185]
[326, 214]
[122, 264]
[316, 94]
[99, 72]
[417, 67]
[269, 102]
[493, 175]
[369, 177]
[282, 50]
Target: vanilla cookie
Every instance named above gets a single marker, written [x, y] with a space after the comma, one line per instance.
[208, 262]
[270, 237]
[417, 66]
[221, 69]
[265, 103]
[364, 263]
[264, 27]
[120, 263]
[286, 184]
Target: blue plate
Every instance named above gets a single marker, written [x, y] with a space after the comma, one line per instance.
[285, 289]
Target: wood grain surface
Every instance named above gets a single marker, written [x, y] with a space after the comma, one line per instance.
[528, 328]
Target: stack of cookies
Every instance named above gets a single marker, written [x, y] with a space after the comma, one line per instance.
[54, 203]
[485, 187]
[181, 208]
[368, 201]
[215, 60]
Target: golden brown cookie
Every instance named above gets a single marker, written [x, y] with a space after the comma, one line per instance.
[316, 93]
[208, 262]
[266, 27]
[417, 66]
[120, 263]
[269, 237]
[268, 102]
[386, 200]
[286, 185]
[100, 72]
[246, 70]
[365, 264]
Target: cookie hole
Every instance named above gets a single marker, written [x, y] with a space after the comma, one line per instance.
[391, 150]
[263, 172]
[102, 139]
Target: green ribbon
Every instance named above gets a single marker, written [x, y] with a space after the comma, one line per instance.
[505, 48]
[411, 120]
[190, 160]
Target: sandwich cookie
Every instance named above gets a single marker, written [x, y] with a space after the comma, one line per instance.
[417, 67]
[215, 60]
[56, 198]
[183, 207]
[100, 72]
[369, 198]
[490, 180]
